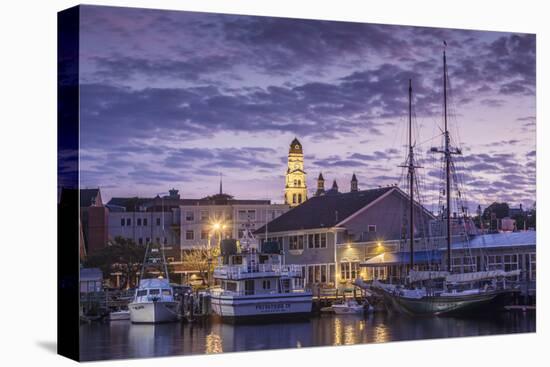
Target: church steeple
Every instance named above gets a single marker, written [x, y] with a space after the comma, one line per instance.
[295, 187]
[320, 185]
[334, 186]
[354, 184]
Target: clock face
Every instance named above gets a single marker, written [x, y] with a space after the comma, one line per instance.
[297, 146]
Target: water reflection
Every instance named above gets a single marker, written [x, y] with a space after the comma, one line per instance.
[125, 340]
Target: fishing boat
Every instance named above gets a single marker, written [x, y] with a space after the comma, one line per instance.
[440, 292]
[154, 298]
[255, 284]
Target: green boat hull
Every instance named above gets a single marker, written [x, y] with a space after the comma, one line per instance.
[442, 305]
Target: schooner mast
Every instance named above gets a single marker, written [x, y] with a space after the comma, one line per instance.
[447, 152]
[411, 181]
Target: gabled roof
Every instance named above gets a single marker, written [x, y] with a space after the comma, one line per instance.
[88, 197]
[324, 211]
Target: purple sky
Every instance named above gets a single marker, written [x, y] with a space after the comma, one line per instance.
[171, 99]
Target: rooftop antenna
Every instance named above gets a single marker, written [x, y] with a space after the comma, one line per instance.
[221, 184]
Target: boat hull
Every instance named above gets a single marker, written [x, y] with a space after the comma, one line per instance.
[118, 316]
[153, 312]
[444, 305]
[257, 307]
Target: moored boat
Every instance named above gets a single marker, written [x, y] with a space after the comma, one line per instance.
[349, 307]
[254, 284]
[154, 302]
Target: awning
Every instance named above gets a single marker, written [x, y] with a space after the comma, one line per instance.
[397, 258]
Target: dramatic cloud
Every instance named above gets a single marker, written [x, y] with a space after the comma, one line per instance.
[173, 99]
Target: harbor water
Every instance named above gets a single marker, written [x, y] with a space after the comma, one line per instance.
[121, 339]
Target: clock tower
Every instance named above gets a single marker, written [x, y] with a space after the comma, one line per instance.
[295, 188]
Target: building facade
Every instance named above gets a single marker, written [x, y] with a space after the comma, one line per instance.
[295, 185]
[148, 220]
[329, 235]
[220, 216]
[94, 217]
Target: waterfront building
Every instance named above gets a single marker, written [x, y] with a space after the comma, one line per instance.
[146, 220]
[295, 186]
[210, 219]
[506, 251]
[329, 235]
[93, 220]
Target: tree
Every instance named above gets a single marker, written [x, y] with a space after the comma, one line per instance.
[203, 260]
[122, 255]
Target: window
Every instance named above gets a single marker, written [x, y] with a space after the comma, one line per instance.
[170, 259]
[299, 198]
[154, 291]
[323, 240]
[128, 221]
[189, 216]
[165, 240]
[147, 240]
[251, 214]
[296, 242]
[293, 198]
[158, 221]
[144, 221]
[139, 221]
[204, 216]
[142, 293]
[317, 273]
[349, 270]
[140, 241]
[158, 240]
[204, 234]
[166, 292]
[372, 228]
[266, 284]
[532, 267]
[189, 235]
[122, 221]
[242, 215]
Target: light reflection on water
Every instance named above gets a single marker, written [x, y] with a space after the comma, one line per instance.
[121, 339]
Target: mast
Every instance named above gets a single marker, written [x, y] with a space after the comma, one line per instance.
[447, 162]
[411, 181]
[447, 152]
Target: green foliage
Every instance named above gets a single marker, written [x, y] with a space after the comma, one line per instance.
[121, 255]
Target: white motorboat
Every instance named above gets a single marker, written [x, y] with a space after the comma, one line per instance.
[119, 315]
[255, 284]
[153, 302]
[349, 306]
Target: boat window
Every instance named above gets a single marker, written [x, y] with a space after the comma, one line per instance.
[154, 291]
[231, 286]
[141, 293]
[237, 260]
[166, 292]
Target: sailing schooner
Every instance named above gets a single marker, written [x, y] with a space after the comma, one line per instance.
[454, 292]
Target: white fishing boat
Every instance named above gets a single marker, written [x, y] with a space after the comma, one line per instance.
[348, 307]
[154, 302]
[154, 298]
[254, 284]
